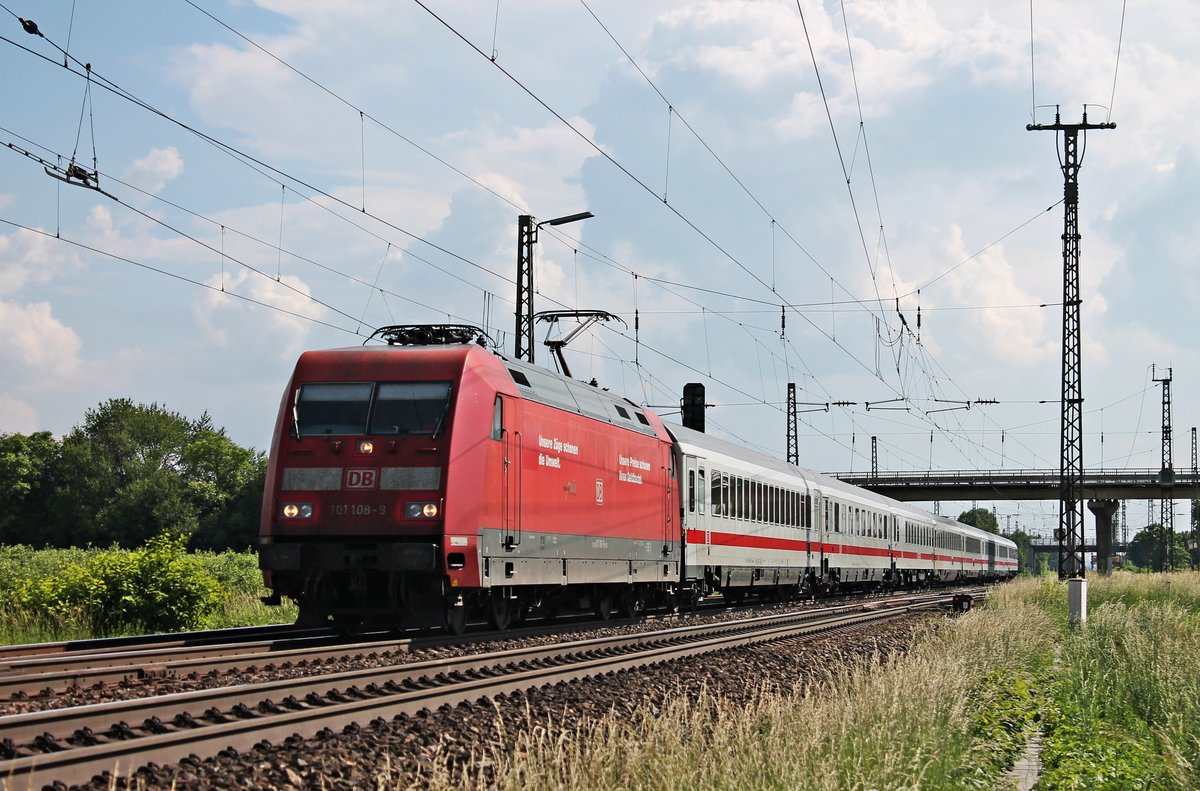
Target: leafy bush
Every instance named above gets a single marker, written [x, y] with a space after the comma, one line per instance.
[158, 587]
[237, 572]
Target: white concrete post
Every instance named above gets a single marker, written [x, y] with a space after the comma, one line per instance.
[1076, 601]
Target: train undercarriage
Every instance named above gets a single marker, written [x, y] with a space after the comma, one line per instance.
[359, 599]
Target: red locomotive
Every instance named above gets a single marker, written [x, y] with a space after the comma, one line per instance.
[431, 480]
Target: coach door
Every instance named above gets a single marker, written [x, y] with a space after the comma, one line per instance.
[511, 474]
[892, 537]
[693, 500]
[811, 508]
[671, 536]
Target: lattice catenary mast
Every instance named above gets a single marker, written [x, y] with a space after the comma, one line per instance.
[1166, 478]
[1070, 520]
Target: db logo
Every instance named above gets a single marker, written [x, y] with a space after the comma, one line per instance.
[361, 478]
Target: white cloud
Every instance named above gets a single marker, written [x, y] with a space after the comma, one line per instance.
[17, 416]
[35, 342]
[159, 166]
[28, 258]
[1016, 337]
[541, 165]
[227, 317]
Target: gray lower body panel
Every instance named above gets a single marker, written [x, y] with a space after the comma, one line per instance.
[557, 559]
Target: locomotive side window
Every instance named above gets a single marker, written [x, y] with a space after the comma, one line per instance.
[410, 408]
[498, 419]
[333, 408]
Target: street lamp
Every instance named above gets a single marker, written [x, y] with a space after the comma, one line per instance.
[527, 233]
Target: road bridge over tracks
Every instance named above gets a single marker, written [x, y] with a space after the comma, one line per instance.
[921, 486]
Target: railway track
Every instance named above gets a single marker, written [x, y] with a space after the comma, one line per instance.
[102, 645]
[73, 745]
[50, 668]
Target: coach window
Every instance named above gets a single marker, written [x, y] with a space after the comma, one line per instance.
[702, 491]
[715, 494]
[691, 491]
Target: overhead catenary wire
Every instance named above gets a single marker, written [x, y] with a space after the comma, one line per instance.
[670, 107]
[280, 245]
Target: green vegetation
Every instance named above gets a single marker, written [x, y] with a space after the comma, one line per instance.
[145, 482]
[128, 473]
[1125, 707]
[65, 594]
[1150, 549]
[1117, 703]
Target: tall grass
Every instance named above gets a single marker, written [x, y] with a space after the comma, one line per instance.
[905, 722]
[1118, 701]
[1126, 713]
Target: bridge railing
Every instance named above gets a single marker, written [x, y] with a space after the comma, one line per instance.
[1131, 476]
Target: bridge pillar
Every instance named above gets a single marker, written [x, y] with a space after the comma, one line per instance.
[1104, 510]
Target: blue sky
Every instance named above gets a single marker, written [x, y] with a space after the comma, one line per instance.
[392, 154]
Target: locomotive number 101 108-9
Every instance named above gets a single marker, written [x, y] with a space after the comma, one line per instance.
[357, 509]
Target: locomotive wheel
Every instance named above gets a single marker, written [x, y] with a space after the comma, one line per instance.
[633, 603]
[456, 617]
[311, 618]
[603, 606]
[498, 611]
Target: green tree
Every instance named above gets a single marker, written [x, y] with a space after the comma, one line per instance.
[981, 518]
[128, 473]
[1022, 540]
[29, 468]
[225, 481]
[1150, 550]
[118, 473]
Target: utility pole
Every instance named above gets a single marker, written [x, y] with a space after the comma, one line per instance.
[526, 238]
[1166, 479]
[1195, 548]
[527, 235]
[793, 443]
[1070, 519]
[874, 458]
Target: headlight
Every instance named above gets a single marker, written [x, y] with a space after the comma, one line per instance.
[421, 510]
[366, 447]
[297, 510]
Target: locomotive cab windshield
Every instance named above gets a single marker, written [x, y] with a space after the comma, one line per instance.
[384, 408]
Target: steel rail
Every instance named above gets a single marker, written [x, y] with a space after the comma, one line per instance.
[51, 674]
[464, 679]
[21, 728]
[101, 645]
